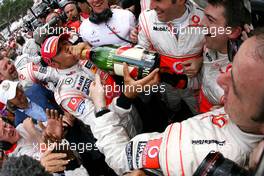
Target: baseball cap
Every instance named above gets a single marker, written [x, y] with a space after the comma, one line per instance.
[50, 47]
[7, 90]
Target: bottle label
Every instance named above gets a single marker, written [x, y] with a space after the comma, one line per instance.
[118, 70]
[132, 53]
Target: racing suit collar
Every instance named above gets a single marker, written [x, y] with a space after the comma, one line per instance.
[245, 139]
[69, 71]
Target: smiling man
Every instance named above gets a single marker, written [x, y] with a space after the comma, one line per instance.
[224, 23]
[167, 29]
[106, 26]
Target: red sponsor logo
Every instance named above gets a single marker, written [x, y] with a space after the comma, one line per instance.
[74, 103]
[22, 77]
[219, 120]
[150, 157]
[195, 20]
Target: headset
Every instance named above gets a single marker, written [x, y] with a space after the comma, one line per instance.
[98, 18]
[103, 17]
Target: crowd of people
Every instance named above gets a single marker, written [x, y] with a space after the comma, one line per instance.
[58, 116]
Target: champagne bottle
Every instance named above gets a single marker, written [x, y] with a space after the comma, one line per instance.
[111, 58]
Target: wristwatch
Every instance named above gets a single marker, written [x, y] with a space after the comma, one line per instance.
[101, 111]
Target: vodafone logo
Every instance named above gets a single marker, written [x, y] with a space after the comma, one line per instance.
[195, 19]
[219, 120]
[153, 151]
[73, 101]
[22, 77]
[150, 155]
[178, 67]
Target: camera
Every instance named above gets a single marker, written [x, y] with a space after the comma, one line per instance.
[215, 164]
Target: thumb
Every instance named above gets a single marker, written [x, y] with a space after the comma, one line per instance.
[97, 80]
[127, 76]
[42, 127]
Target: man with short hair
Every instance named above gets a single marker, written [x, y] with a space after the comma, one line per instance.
[27, 74]
[13, 95]
[33, 78]
[74, 17]
[233, 130]
[107, 26]
[72, 90]
[223, 24]
[169, 29]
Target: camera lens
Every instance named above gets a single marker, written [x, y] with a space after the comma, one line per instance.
[215, 164]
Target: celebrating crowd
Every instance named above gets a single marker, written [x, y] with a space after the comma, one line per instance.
[206, 95]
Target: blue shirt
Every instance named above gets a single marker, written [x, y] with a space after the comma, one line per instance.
[40, 96]
[35, 111]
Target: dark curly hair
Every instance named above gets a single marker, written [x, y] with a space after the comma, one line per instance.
[23, 166]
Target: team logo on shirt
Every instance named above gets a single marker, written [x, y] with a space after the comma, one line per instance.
[140, 147]
[22, 77]
[160, 28]
[79, 85]
[208, 142]
[150, 155]
[195, 21]
[129, 154]
[81, 107]
[219, 120]
[91, 66]
[68, 81]
[74, 103]
[43, 70]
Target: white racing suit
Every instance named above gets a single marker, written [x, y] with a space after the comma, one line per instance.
[179, 150]
[72, 93]
[211, 93]
[25, 58]
[31, 73]
[145, 5]
[177, 41]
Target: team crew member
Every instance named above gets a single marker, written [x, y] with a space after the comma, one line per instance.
[28, 74]
[169, 28]
[219, 14]
[107, 26]
[234, 130]
[75, 18]
[72, 91]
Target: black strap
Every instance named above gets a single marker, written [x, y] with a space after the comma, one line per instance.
[121, 38]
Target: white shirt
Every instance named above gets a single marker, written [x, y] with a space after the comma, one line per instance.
[121, 22]
[179, 150]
